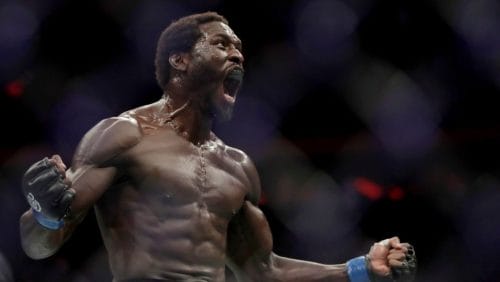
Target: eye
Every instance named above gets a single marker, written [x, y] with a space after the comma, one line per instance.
[221, 44]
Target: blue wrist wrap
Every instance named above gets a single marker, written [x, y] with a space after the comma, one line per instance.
[357, 271]
[46, 222]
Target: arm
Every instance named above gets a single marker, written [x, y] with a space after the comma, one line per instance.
[251, 257]
[65, 196]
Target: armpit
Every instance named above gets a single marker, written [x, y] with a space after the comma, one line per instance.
[249, 236]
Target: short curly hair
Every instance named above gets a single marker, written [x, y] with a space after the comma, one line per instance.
[180, 36]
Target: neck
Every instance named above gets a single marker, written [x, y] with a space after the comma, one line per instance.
[188, 120]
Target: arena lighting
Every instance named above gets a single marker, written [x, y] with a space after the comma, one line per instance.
[374, 191]
[14, 88]
[368, 188]
[396, 193]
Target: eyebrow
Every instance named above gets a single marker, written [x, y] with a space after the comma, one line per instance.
[236, 43]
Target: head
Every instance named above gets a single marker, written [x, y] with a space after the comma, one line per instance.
[180, 37]
[204, 52]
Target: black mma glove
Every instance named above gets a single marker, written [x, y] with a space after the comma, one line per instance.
[406, 273]
[47, 193]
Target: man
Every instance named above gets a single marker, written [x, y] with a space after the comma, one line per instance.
[173, 202]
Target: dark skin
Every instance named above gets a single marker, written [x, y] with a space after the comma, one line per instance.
[172, 200]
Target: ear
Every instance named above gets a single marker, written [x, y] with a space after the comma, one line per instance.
[179, 61]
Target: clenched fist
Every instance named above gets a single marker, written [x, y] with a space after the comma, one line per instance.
[391, 260]
[48, 192]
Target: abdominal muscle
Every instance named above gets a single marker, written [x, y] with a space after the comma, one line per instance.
[150, 239]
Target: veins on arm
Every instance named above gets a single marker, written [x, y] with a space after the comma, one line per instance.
[92, 172]
[97, 157]
[250, 248]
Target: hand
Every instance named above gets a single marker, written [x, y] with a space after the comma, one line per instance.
[46, 188]
[390, 260]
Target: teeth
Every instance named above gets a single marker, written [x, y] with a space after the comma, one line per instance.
[236, 74]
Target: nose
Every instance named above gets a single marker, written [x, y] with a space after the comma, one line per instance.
[236, 56]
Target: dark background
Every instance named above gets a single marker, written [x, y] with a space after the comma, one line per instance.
[366, 119]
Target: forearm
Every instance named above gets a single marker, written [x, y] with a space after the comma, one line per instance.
[285, 269]
[39, 242]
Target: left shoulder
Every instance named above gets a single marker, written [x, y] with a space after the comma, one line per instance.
[248, 167]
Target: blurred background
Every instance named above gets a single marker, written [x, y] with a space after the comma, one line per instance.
[366, 119]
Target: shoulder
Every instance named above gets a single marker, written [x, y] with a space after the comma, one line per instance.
[107, 139]
[248, 168]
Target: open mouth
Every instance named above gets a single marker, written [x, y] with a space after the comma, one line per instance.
[232, 83]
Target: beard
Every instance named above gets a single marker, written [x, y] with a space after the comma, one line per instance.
[214, 105]
[222, 112]
[207, 84]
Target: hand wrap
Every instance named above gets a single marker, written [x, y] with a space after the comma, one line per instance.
[357, 270]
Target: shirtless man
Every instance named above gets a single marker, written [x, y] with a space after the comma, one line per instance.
[173, 202]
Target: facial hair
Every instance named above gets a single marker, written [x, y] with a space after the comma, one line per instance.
[206, 84]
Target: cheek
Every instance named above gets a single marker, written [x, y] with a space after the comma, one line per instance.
[209, 53]
[208, 61]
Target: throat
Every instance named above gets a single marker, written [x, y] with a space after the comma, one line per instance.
[188, 123]
[197, 138]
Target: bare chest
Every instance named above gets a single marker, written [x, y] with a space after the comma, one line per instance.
[177, 175]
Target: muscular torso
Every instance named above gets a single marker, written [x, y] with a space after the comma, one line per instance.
[167, 211]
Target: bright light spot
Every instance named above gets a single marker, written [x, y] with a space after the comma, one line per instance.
[368, 188]
[14, 88]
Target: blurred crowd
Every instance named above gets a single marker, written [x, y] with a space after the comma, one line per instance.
[366, 119]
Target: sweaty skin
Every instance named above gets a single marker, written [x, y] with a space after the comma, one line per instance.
[163, 204]
[167, 211]
[172, 201]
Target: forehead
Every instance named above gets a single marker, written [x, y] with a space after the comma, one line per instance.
[218, 28]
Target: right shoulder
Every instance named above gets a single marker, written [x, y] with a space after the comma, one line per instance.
[107, 139]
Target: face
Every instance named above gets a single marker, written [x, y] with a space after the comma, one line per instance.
[216, 69]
